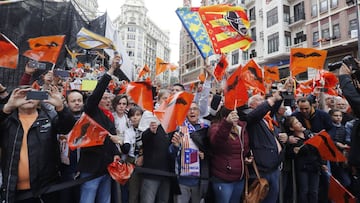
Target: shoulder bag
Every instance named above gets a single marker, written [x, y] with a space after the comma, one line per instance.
[258, 189]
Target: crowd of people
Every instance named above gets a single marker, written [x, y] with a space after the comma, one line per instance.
[204, 160]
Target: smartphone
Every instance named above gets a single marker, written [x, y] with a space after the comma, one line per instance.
[62, 73]
[37, 95]
[36, 64]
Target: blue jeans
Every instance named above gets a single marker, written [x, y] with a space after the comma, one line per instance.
[98, 189]
[273, 179]
[152, 189]
[308, 186]
[228, 192]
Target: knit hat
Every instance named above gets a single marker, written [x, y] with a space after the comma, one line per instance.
[214, 105]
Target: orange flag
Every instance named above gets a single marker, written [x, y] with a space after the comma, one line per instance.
[271, 74]
[220, 68]
[171, 66]
[338, 193]
[9, 53]
[144, 70]
[202, 76]
[191, 86]
[252, 76]
[326, 147]
[86, 133]
[235, 92]
[305, 87]
[45, 48]
[141, 93]
[173, 111]
[162, 66]
[330, 79]
[303, 58]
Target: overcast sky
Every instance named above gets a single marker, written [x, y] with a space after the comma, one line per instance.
[162, 12]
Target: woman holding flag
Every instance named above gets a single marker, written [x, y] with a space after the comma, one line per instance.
[230, 144]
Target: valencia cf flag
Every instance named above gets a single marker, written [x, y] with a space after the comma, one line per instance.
[162, 66]
[9, 53]
[45, 48]
[216, 29]
[338, 193]
[173, 111]
[303, 58]
[326, 147]
[271, 74]
[141, 93]
[305, 87]
[220, 68]
[235, 92]
[202, 76]
[144, 71]
[252, 76]
[86, 133]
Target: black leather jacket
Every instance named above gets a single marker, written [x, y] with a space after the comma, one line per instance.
[44, 156]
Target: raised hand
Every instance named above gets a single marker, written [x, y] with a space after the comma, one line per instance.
[232, 118]
[16, 99]
[176, 139]
[153, 127]
[55, 98]
[115, 64]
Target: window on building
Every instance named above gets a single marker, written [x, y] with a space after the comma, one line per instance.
[245, 56]
[299, 13]
[273, 43]
[336, 31]
[323, 6]
[299, 37]
[130, 44]
[235, 57]
[334, 3]
[130, 53]
[253, 53]
[287, 38]
[286, 14]
[131, 29]
[314, 10]
[325, 34]
[315, 38]
[352, 25]
[253, 33]
[272, 17]
[131, 36]
[252, 15]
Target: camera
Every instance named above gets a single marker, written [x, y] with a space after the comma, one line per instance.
[348, 60]
[289, 98]
[37, 95]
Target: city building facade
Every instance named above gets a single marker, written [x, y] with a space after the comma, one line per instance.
[86, 8]
[278, 26]
[142, 38]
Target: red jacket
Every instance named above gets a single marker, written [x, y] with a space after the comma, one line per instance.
[227, 161]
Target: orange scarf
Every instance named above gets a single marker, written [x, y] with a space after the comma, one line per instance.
[269, 121]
